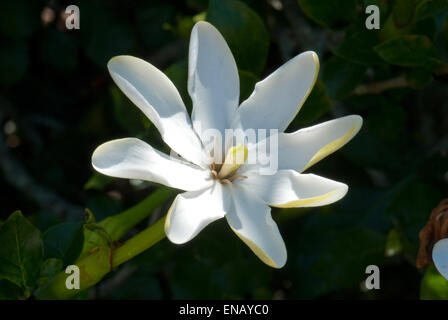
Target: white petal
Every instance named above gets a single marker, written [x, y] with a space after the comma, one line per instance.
[213, 82]
[290, 189]
[132, 158]
[303, 148]
[440, 257]
[157, 97]
[277, 99]
[250, 218]
[193, 211]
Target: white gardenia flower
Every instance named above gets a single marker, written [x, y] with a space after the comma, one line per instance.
[440, 257]
[213, 189]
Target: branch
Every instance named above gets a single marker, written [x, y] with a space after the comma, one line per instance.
[378, 87]
[18, 177]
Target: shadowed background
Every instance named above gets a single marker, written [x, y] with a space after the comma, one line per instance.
[58, 102]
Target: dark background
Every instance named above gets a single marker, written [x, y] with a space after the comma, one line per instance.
[57, 103]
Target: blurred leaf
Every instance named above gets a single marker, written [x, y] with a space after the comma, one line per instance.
[430, 8]
[334, 259]
[403, 12]
[59, 50]
[410, 208]
[333, 14]
[426, 27]
[393, 243]
[50, 268]
[247, 84]
[178, 74]
[357, 47]
[19, 18]
[98, 181]
[419, 77]
[409, 51]
[9, 291]
[244, 32]
[316, 105]
[152, 22]
[21, 251]
[433, 286]
[14, 62]
[104, 35]
[341, 77]
[64, 241]
[126, 114]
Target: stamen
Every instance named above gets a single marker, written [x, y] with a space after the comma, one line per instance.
[237, 177]
[235, 158]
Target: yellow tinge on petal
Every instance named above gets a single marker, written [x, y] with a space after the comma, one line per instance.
[304, 202]
[235, 158]
[330, 148]
[257, 250]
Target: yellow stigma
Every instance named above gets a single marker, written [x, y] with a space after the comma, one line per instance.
[235, 158]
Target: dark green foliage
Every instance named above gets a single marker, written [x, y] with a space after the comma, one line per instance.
[55, 88]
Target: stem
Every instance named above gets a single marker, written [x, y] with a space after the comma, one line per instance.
[378, 87]
[117, 226]
[95, 266]
[141, 242]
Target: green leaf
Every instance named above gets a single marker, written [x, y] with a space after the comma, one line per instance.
[431, 8]
[64, 241]
[419, 77]
[178, 74]
[9, 291]
[14, 60]
[330, 13]
[98, 181]
[341, 76]
[152, 20]
[410, 207]
[21, 251]
[357, 47]
[104, 34]
[244, 32]
[334, 259]
[126, 114]
[59, 50]
[426, 27]
[50, 268]
[394, 243]
[247, 84]
[19, 18]
[317, 104]
[409, 51]
[433, 286]
[403, 12]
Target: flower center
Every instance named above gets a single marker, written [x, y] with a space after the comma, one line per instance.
[225, 173]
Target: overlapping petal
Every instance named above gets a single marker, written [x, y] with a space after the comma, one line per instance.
[193, 211]
[213, 82]
[303, 148]
[157, 97]
[278, 98]
[250, 218]
[440, 257]
[132, 158]
[290, 189]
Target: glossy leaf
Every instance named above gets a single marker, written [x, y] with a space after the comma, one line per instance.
[409, 51]
[21, 251]
[64, 241]
[244, 32]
